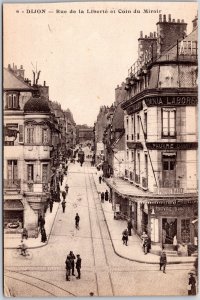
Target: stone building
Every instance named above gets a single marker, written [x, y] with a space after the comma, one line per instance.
[160, 120]
[31, 137]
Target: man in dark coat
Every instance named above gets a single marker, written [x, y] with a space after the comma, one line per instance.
[41, 222]
[77, 219]
[68, 267]
[63, 205]
[163, 260]
[191, 285]
[125, 237]
[64, 195]
[102, 197]
[43, 235]
[72, 258]
[78, 266]
[51, 205]
[106, 195]
[129, 226]
[100, 178]
[66, 188]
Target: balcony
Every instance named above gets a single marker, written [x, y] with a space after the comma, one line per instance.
[169, 187]
[169, 184]
[12, 185]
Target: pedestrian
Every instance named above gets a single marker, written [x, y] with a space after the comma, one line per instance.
[43, 235]
[106, 195]
[100, 178]
[61, 179]
[66, 188]
[191, 285]
[163, 260]
[129, 226]
[41, 222]
[24, 234]
[144, 236]
[125, 237]
[72, 258]
[68, 267]
[102, 197]
[78, 266]
[51, 205]
[63, 205]
[77, 219]
[64, 195]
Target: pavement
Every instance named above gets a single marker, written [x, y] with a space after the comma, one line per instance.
[132, 252]
[12, 241]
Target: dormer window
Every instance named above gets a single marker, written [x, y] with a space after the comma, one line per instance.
[12, 101]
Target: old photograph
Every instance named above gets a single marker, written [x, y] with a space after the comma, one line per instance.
[100, 137]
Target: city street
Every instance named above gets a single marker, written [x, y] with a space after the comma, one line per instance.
[103, 272]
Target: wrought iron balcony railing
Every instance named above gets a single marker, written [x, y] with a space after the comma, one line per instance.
[12, 184]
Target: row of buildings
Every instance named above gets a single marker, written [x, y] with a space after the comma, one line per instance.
[147, 140]
[38, 136]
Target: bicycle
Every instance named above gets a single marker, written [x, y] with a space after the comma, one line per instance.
[25, 254]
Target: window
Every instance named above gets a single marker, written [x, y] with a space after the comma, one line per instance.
[168, 122]
[12, 170]
[45, 136]
[12, 101]
[21, 133]
[45, 173]
[30, 172]
[145, 124]
[138, 127]
[30, 135]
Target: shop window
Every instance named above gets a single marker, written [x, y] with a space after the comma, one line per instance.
[30, 135]
[168, 123]
[185, 231]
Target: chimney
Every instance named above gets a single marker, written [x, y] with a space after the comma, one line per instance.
[168, 33]
[141, 34]
[144, 44]
[195, 22]
[44, 83]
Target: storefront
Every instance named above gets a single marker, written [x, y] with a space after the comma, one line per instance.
[13, 216]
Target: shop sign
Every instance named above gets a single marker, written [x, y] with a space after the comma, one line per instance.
[172, 101]
[134, 108]
[173, 210]
[134, 145]
[172, 146]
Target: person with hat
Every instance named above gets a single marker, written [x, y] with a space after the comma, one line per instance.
[68, 267]
[163, 260]
[72, 258]
[191, 284]
[63, 205]
[78, 266]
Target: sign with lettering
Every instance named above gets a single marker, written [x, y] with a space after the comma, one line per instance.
[172, 146]
[134, 145]
[173, 210]
[134, 108]
[171, 101]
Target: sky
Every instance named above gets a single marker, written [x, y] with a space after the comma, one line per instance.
[82, 56]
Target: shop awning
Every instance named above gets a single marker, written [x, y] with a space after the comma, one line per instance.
[13, 205]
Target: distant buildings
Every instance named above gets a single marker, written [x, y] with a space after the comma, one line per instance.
[35, 140]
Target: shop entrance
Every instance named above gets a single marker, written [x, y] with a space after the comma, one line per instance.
[169, 230]
[145, 222]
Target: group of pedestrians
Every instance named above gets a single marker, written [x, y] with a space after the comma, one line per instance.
[70, 265]
[64, 194]
[105, 196]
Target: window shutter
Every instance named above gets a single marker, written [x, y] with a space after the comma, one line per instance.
[21, 133]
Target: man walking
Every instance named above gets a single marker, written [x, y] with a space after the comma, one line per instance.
[72, 258]
[78, 266]
[68, 268]
[163, 260]
[64, 195]
[51, 205]
[100, 178]
[77, 219]
[63, 205]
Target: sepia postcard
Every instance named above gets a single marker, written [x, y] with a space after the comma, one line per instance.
[100, 137]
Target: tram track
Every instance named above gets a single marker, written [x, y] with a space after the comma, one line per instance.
[94, 197]
[38, 281]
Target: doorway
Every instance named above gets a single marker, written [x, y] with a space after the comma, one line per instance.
[169, 230]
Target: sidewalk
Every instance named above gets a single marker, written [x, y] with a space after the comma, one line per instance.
[134, 250]
[12, 241]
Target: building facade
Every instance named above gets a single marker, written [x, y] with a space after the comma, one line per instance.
[160, 120]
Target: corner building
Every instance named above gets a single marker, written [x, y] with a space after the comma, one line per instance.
[161, 135]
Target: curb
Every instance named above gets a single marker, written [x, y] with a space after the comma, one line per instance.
[46, 243]
[133, 259]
